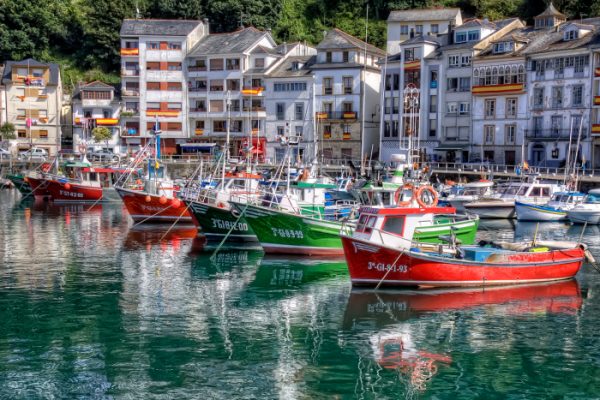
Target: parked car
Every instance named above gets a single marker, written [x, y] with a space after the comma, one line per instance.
[103, 155]
[4, 154]
[33, 154]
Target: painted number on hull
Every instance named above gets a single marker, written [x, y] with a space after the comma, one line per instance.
[71, 194]
[218, 223]
[287, 233]
[387, 267]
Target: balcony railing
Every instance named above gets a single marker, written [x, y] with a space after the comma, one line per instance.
[552, 134]
[131, 93]
[197, 89]
[196, 68]
[336, 115]
[198, 109]
[254, 109]
[130, 72]
[130, 52]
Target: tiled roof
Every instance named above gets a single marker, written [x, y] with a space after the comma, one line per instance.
[551, 11]
[95, 85]
[476, 23]
[227, 43]
[54, 69]
[427, 14]
[158, 27]
[338, 39]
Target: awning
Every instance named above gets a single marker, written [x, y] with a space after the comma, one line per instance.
[451, 147]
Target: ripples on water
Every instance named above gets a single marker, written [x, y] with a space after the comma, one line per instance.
[90, 307]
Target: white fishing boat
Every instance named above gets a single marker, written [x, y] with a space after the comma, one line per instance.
[555, 210]
[588, 211]
[470, 192]
[503, 205]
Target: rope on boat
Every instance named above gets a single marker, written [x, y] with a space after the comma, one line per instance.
[214, 254]
[174, 222]
[389, 269]
[151, 216]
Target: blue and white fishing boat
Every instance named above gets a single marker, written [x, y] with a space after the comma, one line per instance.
[554, 210]
[588, 211]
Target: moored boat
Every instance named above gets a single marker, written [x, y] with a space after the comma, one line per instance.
[555, 210]
[19, 182]
[588, 211]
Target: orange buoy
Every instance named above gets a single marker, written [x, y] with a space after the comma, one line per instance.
[175, 203]
[162, 200]
[67, 186]
[148, 199]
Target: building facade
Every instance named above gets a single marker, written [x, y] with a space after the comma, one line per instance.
[33, 104]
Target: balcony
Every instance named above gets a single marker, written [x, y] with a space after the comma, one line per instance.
[197, 89]
[132, 113]
[254, 109]
[346, 136]
[130, 93]
[197, 68]
[130, 72]
[199, 109]
[252, 90]
[130, 52]
[107, 121]
[552, 134]
[498, 90]
[336, 115]
[161, 113]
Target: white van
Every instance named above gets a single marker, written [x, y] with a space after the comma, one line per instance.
[34, 154]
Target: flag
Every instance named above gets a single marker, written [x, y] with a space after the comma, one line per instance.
[525, 165]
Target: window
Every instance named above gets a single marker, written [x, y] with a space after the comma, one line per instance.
[280, 111]
[434, 28]
[153, 45]
[328, 57]
[409, 55]
[131, 45]
[236, 125]
[473, 35]
[219, 126]
[174, 106]
[451, 107]
[259, 63]
[488, 134]
[174, 86]
[174, 66]
[460, 37]
[153, 86]
[299, 111]
[465, 61]
[216, 106]
[393, 225]
[556, 123]
[464, 85]
[327, 85]
[152, 66]
[233, 85]
[452, 84]
[464, 108]
[232, 64]
[200, 106]
[22, 133]
[216, 64]
[577, 96]
[348, 82]
[174, 46]
[538, 98]
[404, 29]
[347, 106]
[345, 56]
[152, 106]
[346, 153]
[503, 47]
[216, 85]
[510, 134]
[299, 130]
[200, 124]
[538, 123]
[490, 108]
[419, 29]
[453, 61]
[557, 97]
[289, 87]
[511, 107]
[571, 35]
[432, 103]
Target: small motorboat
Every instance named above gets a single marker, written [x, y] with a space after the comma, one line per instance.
[555, 210]
[468, 193]
[588, 211]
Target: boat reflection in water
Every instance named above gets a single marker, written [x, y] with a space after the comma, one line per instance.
[148, 235]
[292, 272]
[383, 317]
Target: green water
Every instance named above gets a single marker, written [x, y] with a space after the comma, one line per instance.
[92, 309]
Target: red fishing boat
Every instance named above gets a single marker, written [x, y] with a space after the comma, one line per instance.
[374, 262]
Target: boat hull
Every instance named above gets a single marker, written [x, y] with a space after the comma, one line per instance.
[591, 217]
[38, 187]
[216, 223]
[539, 213]
[63, 192]
[370, 264]
[19, 182]
[284, 233]
[148, 208]
[492, 210]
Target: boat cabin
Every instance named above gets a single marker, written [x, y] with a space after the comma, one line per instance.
[566, 198]
[395, 226]
[84, 174]
[528, 190]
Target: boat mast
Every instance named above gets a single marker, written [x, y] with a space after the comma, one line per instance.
[567, 164]
[226, 150]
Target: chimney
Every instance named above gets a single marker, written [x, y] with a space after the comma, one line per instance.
[451, 32]
[205, 20]
[285, 49]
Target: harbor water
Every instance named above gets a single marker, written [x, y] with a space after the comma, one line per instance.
[91, 307]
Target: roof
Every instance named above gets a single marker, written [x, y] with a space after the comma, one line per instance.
[227, 43]
[284, 69]
[338, 39]
[54, 69]
[436, 40]
[426, 14]
[95, 85]
[551, 39]
[551, 11]
[477, 23]
[158, 27]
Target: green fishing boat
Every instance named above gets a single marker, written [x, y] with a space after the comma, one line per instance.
[216, 223]
[19, 182]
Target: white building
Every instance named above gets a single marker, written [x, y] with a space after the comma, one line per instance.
[33, 103]
[347, 79]
[154, 85]
[290, 107]
[95, 104]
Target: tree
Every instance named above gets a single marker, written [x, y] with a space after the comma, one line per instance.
[101, 133]
[7, 131]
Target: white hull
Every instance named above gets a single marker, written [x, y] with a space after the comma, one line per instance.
[492, 209]
[592, 217]
[531, 212]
